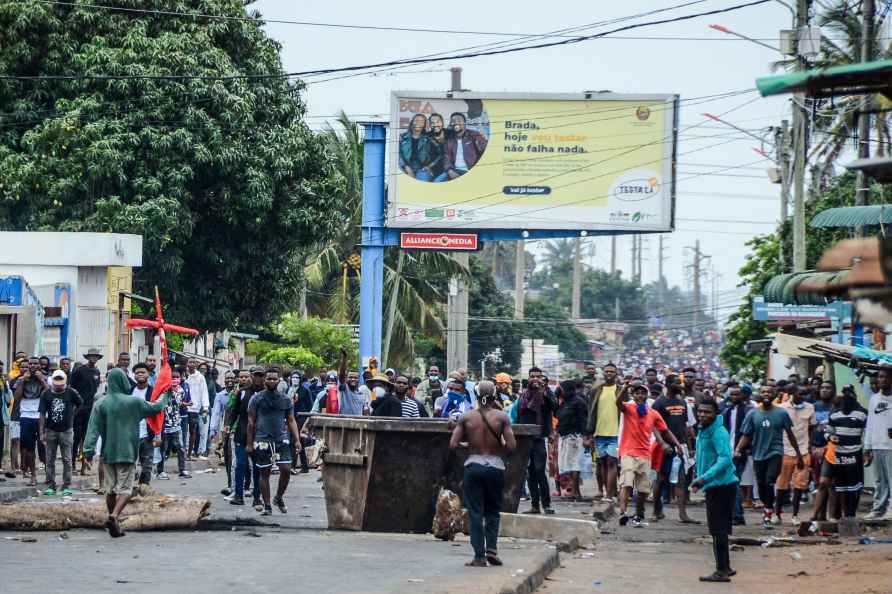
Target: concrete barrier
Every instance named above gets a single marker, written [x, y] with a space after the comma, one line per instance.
[559, 530]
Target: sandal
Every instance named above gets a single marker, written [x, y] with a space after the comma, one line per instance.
[476, 563]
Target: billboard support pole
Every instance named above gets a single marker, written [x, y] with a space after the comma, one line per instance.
[371, 286]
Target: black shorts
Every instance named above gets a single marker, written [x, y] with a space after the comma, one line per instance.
[268, 451]
[848, 476]
[30, 433]
[826, 469]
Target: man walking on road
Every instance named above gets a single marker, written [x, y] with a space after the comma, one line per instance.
[802, 414]
[716, 477]
[878, 445]
[639, 424]
[270, 414]
[765, 428]
[114, 419]
[488, 433]
[250, 383]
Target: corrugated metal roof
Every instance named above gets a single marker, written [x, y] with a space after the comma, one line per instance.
[847, 78]
[853, 216]
[782, 288]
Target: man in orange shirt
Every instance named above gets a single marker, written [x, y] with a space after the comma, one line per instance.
[639, 423]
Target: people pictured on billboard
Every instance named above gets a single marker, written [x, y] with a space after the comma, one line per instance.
[429, 151]
[463, 149]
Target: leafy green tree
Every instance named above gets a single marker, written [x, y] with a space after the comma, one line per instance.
[222, 178]
[572, 343]
[494, 331]
[764, 263]
[319, 336]
[295, 357]
[600, 294]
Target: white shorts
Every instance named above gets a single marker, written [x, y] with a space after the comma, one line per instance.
[746, 477]
[570, 453]
[15, 430]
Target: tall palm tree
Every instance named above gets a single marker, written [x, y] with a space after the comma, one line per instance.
[558, 251]
[332, 267]
[835, 122]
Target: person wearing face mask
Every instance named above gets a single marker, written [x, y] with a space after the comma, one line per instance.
[456, 401]
[639, 423]
[170, 436]
[802, 414]
[385, 404]
[430, 389]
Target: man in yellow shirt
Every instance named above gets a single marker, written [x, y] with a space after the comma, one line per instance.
[602, 430]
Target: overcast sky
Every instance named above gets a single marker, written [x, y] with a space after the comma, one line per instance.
[723, 210]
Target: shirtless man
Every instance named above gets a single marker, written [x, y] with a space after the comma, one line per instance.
[488, 434]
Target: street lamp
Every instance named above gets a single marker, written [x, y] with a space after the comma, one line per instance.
[723, 29]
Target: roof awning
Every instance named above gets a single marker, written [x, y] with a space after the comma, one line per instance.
[853, 216]
[847, 79]
[784, 288]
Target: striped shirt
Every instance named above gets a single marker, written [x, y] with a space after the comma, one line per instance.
[410, 408]
[848, 429]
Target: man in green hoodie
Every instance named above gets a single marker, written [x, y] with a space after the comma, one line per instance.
[715, 475]
[116, 419]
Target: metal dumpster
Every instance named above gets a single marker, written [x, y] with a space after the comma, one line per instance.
[383, 474]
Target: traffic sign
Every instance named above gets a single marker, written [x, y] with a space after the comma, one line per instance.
[452, 242]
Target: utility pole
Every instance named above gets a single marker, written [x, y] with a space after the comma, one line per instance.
[800, 133]
[782, 147]
[660, 259]
[696, 271]
[612, 254]
[577, 279]
[457, 322]
[862, 182]
[638, 253]
[520, 268]
[634, 272]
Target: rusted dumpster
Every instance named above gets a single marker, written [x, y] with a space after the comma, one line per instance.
[384, 474]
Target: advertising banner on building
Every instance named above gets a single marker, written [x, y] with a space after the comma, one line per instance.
[594, 161]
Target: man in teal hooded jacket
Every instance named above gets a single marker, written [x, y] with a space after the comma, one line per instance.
[715, 475]
[116, 419]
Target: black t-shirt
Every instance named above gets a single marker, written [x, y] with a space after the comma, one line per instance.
[675, 412]
[86, 380]
[59, 408]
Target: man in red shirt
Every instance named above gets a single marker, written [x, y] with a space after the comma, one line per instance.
[639, 423]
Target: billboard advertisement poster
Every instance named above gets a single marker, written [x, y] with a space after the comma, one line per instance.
[594, 161]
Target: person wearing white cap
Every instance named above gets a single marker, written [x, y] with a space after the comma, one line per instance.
[58, 405]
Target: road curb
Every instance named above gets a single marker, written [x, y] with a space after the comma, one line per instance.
[526, 583]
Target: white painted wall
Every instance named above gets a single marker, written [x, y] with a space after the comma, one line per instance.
[74, 249]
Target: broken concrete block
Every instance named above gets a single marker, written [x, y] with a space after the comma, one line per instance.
[561, 530]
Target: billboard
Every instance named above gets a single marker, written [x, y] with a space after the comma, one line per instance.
[593, 161]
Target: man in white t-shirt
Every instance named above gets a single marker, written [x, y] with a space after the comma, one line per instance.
[878, 445]
[802, 414]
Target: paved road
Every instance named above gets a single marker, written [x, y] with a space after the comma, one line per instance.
[293, 552]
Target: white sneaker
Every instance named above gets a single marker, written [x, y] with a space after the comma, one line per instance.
[163, 477]
[874, 516]
[775, 519]
[795, 521]
[888, 515]
[202, 457]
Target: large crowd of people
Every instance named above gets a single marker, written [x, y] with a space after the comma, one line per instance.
[650, 433]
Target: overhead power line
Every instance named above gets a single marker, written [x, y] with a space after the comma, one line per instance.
[354, 68]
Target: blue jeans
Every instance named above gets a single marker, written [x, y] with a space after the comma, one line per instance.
[443, 177]
[422, 175]
[184, 432]
[482, 488]
[241, 469]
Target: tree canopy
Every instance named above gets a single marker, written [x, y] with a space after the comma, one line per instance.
[221, 177]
